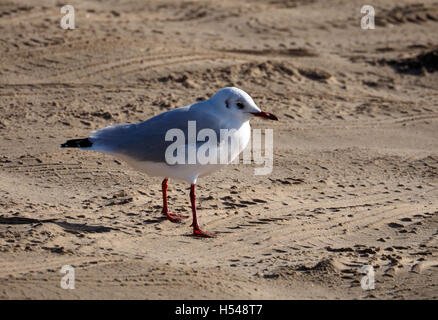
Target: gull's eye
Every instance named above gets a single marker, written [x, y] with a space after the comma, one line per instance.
[240, 105]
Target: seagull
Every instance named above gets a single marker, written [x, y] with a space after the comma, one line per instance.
[145, 145]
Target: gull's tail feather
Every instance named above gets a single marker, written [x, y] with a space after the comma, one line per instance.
[77, 143]
[112, 140]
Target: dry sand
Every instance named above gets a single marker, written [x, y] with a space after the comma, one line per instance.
[355, 178]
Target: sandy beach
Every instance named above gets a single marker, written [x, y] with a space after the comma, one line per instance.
[355, 176]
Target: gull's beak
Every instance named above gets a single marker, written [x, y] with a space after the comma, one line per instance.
[265, 115]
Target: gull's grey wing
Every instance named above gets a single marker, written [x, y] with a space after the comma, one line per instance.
[145, 141]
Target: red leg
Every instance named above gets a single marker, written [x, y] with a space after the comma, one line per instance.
[171, 216]
[197, 232]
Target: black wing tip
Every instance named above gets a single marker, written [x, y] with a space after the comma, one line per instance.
[77, 143]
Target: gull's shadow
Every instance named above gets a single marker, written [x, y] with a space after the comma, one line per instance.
[67, 226]
[156, 220]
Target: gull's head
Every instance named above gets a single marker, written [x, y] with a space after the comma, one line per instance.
[237, 103]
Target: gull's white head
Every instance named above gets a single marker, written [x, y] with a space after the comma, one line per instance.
[238, 104]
